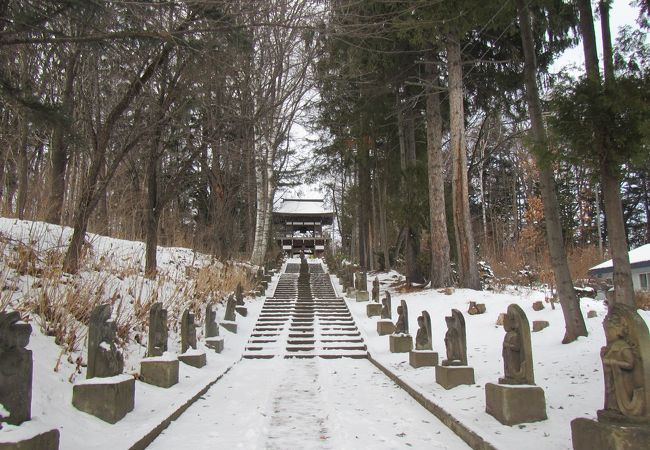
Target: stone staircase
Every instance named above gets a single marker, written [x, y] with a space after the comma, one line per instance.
[305, 319]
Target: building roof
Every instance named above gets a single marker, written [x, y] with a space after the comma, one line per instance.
[639, 257]
[302, 207]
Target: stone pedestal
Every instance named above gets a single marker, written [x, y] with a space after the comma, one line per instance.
[423, 358]
[400, 343]
[194, 358]
[160, 371]
[48, 440]
[362, 296]
[451, 376]
[351, 292]
[589, 434]
[109, 399]
[514, 404]
[215, 343]
[373, 309]
[229, 325]
[241, 310]
[385, 326]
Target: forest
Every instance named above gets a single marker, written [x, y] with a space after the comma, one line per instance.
[439, 132]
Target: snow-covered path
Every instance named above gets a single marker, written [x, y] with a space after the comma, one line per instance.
[306, 404]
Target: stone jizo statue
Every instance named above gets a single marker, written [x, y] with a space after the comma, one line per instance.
[402, 324]
[375, 290]
[15, 368]
[188, 331]
[455, 340]
[157, 344]
[229, 315]
[386, 311]
[239, 294]
[104, 359]
[211, 325]
[517, 350]
[626, 367]
[423, 339]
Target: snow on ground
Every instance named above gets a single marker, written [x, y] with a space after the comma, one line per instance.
[115, 268]
[571, 375]
[307, 404]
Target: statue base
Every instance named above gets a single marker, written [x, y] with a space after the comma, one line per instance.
[241, 310]
[385, 326]
[160, 371]
[351, 292]
[47, 440]
[400, 343]
[451, 376]
[373, 309]
[109, 399]
[194, 358]
[362, 296]
[229, 325]
[588, 434]
[215, 343]
[423, 358]
[514, 404]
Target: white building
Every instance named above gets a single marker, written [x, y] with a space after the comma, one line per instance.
[640, 262]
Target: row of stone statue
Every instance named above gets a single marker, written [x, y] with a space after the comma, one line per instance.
[624, 423]
[113, 397]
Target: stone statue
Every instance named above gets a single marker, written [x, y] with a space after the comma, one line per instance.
[211, 326]
[423, 339]
[455, 340]
[157, 344]
[188, 331]
[104, 359]
[402, 324]
[386, 311]
[375, 290]
[229, 315]
[517, 350]
[16, 368]
[239, 294]
[626, 367]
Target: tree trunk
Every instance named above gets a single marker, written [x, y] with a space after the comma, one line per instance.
[440, 262]
[574, 322]
[363, 201]
[23, 170]
[152, 213]
[467, 267]
[609, 178]
[383, 231]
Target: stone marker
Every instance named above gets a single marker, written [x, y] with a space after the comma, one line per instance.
[229, 316]
[538, 305]
[239, 295]
[157, 343]
[516, 399]
[375, 290]
[212, 339]
[373, 309]
[624, 422]
[362, 294]
[539, 325]
[401, 341]
[500, 319]
[189, 354]
[112, 395]
[385, 325]
[454, 370]
[476, 308]
[423, 355]
[104, 360]
[156, 369]
[449, 290]
[16, 368]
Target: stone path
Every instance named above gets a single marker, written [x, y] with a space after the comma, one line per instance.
[299, 403]
[305, 384]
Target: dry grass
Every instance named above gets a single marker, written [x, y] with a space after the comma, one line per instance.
[642, 299]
